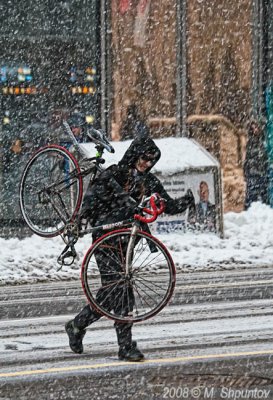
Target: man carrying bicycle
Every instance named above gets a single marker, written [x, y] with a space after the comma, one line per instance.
[113, 197]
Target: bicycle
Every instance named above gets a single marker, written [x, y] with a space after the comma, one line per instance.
[127, 274]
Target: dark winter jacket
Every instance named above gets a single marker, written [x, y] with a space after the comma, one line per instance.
[118, 190]
[256, 166]
[256, 159]
[207, 216]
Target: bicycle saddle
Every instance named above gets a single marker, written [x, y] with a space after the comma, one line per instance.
[98, 137]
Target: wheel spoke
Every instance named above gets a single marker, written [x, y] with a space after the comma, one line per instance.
[113, 300]
[147, 280]
[145, 285]
[144, 299]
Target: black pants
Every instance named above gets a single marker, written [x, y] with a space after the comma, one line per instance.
[118, 300]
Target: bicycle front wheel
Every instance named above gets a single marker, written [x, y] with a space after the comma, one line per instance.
[132, 297]
[51, 190]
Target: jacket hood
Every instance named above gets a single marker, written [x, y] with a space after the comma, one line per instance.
[140, 146]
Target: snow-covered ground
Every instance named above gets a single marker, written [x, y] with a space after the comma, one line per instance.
[248, 241]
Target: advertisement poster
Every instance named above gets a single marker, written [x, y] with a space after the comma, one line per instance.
[204, 217]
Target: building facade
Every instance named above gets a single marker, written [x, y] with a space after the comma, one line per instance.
[194, 68]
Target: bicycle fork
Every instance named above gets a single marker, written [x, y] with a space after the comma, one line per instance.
[130, 251]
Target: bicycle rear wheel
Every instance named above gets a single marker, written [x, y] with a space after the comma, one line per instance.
[51, 190]
[134, 298]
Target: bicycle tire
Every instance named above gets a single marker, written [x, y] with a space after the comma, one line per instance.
[51, 190]
[152, 278]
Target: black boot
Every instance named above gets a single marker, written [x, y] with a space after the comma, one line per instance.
[128, 350]
[130, 353]
[76, 328]
[76, 336]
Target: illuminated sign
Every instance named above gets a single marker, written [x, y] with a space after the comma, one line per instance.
[83, 90]
[15, 74]
[19, 90]
[83, 80]
[16, 80]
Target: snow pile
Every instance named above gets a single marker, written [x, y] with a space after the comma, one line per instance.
[248, 241]
[177, 154]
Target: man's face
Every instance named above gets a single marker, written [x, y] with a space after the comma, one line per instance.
[204, 192]
[145, 161]
[77, 130]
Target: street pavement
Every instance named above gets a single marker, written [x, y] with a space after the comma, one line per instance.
[215, 336]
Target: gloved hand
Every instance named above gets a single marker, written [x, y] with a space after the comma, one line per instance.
[190, 197]
[179, 205]
[191, 206]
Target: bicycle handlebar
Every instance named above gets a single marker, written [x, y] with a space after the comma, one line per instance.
[155, 210]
